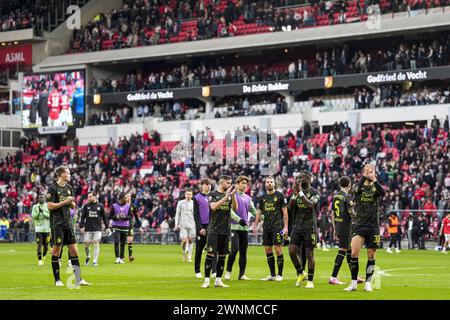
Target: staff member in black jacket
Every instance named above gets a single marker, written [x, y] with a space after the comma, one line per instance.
[92, 216]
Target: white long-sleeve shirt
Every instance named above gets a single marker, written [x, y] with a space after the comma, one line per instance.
[185, 214]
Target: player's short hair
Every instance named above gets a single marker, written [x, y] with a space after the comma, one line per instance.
[242, 178]
[205, 181]
[269, 178]
[60, 170]
[344, 182]
[224, 177]
[94, 193]
[188, 190]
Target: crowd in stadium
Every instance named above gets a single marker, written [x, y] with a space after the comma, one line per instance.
[412, 164]
[16, 15]
[112, 116]
[343, 60]
[395, 96]
[141, 23]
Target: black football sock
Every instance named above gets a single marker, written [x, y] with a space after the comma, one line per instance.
[338, 262]
[45, 250]
[280, 262]
[311, 274]
[231, 259]
[296, 262]
[122, 250]
[55, 267]
[271, 263]
[303, 255]
[39, 250]
[370, 268]
[220, 266]
[354, 265]
[349, 256]
[116, 249]
[208, 265]
[130, 249]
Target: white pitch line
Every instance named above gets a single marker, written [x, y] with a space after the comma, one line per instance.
[8, 251]
[384, 272]
[380, 272]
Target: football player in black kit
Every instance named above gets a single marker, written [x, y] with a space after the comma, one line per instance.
[304, 230]
[342, 216]
[92, 215]
[366, 227]
[273, 207]
[60, 199]
[221, 201]
[134, 220]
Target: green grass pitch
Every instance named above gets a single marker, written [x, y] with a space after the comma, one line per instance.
[158, 273]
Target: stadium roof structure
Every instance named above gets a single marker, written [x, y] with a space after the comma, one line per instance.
[386, 26]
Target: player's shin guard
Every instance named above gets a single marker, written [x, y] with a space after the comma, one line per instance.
[130, 249]
[349, 257]
[271, 263]
[280, 263]
[354, 266]
[45, 250]
[208, 265]
[76, 269]
[116, 249]
[296, 261]
[311, 274]
[220, 266]
[96, 251]
[338, 262]
[370, 268]
[39, 251]
[122, 250]
[303, 255]
[55, 268]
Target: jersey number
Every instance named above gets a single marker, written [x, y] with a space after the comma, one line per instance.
[377, 239]
[336, 208]
[55, 101]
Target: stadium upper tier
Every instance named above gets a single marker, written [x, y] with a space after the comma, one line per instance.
[41, 15]
[137, 46]
[138, 25]
[353, 57]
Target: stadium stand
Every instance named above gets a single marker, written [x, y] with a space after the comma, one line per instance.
[412, 164]
[351, 58]
[166, 22]
[37, 14]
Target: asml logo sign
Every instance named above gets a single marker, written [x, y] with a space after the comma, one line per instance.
[16, 55]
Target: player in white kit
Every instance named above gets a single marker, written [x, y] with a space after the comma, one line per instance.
[185, 223]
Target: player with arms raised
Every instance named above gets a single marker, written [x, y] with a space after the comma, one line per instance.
[342, 216]
[304, 231]
[366, 228]
[221, 202]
